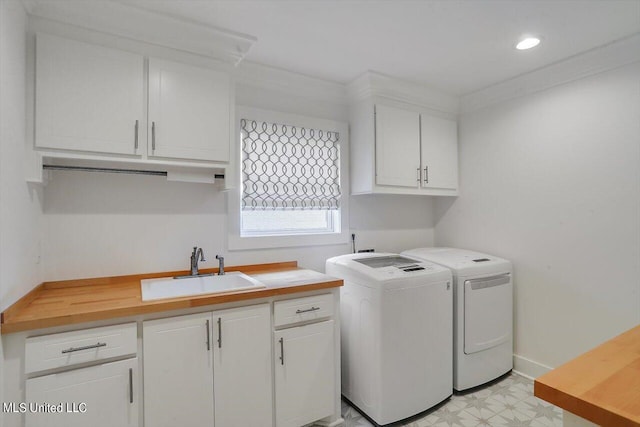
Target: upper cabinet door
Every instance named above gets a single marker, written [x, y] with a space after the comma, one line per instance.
[397, 147]
[439, 153]
[88, 98]
[189, 112]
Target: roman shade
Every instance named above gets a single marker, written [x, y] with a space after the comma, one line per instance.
[289, 167]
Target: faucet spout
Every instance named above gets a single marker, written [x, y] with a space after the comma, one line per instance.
[220, 265]
[196, 255]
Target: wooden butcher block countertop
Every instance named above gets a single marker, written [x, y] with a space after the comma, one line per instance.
[602, 385]
[85, 300]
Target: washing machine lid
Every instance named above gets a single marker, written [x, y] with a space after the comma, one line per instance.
[379, 268]
[388, 261]
[461, 261]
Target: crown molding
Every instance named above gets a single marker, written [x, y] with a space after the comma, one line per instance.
[123, 20]
[373, 84]
[608, 57]
[283, 81]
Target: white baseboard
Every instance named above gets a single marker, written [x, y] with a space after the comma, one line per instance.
[529, 368]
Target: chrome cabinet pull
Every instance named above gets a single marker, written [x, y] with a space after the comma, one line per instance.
[281, 351]
[153, 136]
[86, 347]
[135, 145]
[219, 332]
[418, 175]
[307, 310]
[426, 174]
[208, 337]
[130, 385]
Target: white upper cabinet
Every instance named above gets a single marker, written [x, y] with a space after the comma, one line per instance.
[439, 153]
[99, 103]
[88, 98]
[400, 150]
[397, 147]
[189, 111]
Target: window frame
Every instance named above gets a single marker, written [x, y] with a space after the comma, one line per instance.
[233, 177]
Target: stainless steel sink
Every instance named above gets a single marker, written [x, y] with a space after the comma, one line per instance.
[169, 287]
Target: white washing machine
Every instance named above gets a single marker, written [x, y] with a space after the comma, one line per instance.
[396, 334]
[483, 313]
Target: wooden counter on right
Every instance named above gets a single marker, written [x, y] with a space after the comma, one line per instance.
[601, 386]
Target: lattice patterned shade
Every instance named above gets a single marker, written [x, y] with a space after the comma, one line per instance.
[289, 167]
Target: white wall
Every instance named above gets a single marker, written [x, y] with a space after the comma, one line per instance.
[107, 224]
[552, 182]
[19, 204]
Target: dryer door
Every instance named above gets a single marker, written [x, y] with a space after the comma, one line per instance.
[488, 312]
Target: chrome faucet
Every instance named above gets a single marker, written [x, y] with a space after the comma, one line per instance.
[197, 253]
[220, 265]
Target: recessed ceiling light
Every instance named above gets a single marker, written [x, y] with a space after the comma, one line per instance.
[528, 43]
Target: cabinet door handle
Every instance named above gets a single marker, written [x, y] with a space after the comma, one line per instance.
[426, 174]
[208, 337]
[219, 332]
[153, 136]
[130, 385]
[418, 175]
[308, 310]
[86, 347]
[135, 146]
[281, 340]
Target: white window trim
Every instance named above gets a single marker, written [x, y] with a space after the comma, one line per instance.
[233, 178]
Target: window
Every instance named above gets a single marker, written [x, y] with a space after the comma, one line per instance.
[291, 181]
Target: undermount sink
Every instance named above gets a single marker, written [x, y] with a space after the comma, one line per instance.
[169, 287]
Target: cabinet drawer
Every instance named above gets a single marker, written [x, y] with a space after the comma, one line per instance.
[88, 345]
[302, 309]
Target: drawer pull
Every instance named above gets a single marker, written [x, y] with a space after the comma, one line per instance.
[86, 347]
[307, 310]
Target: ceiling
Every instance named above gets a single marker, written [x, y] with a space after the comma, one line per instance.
[459, 46]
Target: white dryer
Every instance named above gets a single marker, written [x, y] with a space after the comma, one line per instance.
[483, 313]
[396, 334]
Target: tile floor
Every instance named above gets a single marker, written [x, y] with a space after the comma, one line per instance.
[506, 403]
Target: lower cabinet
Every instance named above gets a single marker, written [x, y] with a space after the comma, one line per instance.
[242, 367]
[178, 371]
[304, 374]
[98, 396]
[236, 367]
[209, 369]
